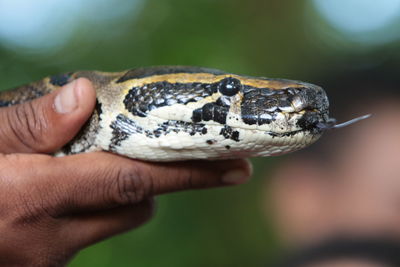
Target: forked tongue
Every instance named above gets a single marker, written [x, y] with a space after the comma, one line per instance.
[331, 123]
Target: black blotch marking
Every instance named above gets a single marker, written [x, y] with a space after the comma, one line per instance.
[140, 100]
[220, 114]
[162, 70]
[60, 79]
[173, 126]
[5, 103]
[208, 111]
[123, 127]
[274, 134]
[98, 109]
[157, 133]
[247, 118]
[86, 136]
[235, 136]
[228, 147]
[178, 126]
[197, 115]
[66, 149]
[228, 133]
[229, 86]
[211, 112]
[211, 141]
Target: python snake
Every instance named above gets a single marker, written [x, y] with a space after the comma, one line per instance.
[178, 113]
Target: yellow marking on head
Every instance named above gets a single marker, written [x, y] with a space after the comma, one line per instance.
[268, 83]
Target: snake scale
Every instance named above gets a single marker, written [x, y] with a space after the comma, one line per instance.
[172, 113]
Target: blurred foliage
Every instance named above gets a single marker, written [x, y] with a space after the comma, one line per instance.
[218, 227]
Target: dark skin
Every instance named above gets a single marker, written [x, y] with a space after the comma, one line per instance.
[50, 208]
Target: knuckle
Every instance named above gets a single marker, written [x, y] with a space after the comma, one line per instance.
[28, 124]
[132, 185]
[197, 176]
[186, 179]
[191, 178]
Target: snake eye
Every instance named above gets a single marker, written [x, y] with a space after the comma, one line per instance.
[229, 86]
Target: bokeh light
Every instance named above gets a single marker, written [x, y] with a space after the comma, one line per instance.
[47, 25]
[366, 21]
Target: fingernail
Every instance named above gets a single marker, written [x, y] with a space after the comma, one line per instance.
[66, 101]
[235, 177]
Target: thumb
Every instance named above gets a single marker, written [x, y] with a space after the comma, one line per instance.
[47, 123]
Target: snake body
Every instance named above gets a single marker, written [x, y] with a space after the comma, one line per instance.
[179, 113]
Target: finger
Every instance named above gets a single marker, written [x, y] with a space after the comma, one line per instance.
[84, 230]
[47, 123]
[98, 181]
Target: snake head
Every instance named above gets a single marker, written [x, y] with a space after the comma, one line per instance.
[284, 106]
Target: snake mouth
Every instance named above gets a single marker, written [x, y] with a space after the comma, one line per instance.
[315, 122]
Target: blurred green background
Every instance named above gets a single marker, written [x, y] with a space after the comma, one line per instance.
[306, 40]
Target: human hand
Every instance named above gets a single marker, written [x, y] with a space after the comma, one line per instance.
[50, 208]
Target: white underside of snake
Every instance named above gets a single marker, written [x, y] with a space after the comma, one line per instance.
[180, 113]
